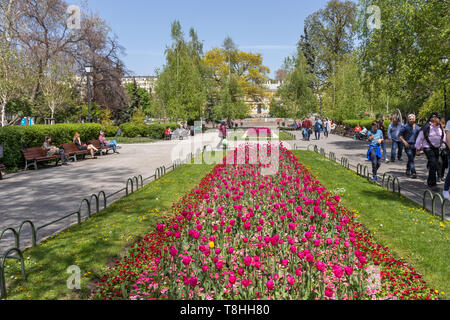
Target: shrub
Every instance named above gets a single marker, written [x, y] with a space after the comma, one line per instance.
[15, 139]
[110, 130]
[364, 123]
[154, 131]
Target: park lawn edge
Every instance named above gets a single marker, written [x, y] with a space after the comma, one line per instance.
[98, 241]
[411, 233]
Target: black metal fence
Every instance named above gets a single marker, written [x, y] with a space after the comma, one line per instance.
[389, 182]
[100, 203]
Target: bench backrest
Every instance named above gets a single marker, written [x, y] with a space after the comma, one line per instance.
[70, 147]
[33, 153]
[95, 143]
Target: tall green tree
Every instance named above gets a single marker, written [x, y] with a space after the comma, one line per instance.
[404, 52]
[295, 97]
[181, 85]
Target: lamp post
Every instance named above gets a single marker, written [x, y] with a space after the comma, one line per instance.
[88, 69]
[444, 62]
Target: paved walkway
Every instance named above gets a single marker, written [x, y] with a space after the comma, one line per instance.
[356, 152]
[52, 192]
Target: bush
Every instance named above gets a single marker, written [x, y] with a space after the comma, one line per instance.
[110, 130]
[153, 131]
[15, 139]
[364, 123]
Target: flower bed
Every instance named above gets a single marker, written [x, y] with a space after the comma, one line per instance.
[242, 235]
[256, 132]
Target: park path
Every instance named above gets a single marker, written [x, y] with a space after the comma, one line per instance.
[356, 152]
[52, 192]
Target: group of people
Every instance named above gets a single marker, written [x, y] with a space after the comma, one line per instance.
[319, 126]
[52, 150]
[432, 139]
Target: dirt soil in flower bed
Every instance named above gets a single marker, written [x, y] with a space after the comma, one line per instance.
[243, 235]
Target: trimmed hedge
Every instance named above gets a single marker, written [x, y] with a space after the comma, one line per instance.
[153, 131]
[364, 123]
[15, 139]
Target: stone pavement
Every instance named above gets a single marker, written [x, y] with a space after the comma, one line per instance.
[52, 192]
[356, 152]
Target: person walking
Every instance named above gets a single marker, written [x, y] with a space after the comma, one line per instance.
[374, 153]
[429, 140]
[222, 133]
[383, 145]
[317, 128]
[446, 193]
[306, 125]
[393, 133]
[52, 150]
[443, 157]
[408, 135]
[326, 127]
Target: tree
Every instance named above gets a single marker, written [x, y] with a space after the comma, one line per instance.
[281, 75]
[14, 78]
[295, 97]
[181, 88]
[344, 98]
[405, 51]
[329, 36]
[57, 86]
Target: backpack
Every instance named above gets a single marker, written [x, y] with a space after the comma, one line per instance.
[426, 134]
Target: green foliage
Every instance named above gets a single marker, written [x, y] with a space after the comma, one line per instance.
[154, 131]
[344, 97]
[15, 139]
[363, 123]
[295, 97]
[181, 86]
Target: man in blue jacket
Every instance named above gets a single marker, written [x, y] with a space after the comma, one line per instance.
[408, 135]
[393, 135]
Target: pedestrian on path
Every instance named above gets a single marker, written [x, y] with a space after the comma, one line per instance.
[443, 157]
[446, 193]
[429, 140]
[408, 135]
[306, 125]
[393, 135]
[317, 128]
[383, 145]
[222, 133]
[374, 153]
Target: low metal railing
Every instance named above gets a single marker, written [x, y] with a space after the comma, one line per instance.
[133, 184]
[388, 181]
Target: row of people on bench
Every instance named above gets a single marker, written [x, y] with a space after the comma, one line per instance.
[53, 150]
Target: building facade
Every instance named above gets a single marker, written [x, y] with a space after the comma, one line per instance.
[146, 82]
[260, 107]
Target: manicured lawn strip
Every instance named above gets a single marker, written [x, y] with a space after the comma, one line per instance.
[125, 140]
[282, 136]
[99, 240]
[410, 232]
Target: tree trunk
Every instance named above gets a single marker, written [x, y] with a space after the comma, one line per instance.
[3, 107]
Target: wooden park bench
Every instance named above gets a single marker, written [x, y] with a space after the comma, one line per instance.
[34, 155]
[101, 149]
[72, 151]
[2, 167]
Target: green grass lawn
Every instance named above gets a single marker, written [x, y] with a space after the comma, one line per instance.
[411, 233]
[125, 140]
[283, 136]
[98, 241]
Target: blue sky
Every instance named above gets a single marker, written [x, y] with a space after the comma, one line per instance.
[271, 28]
